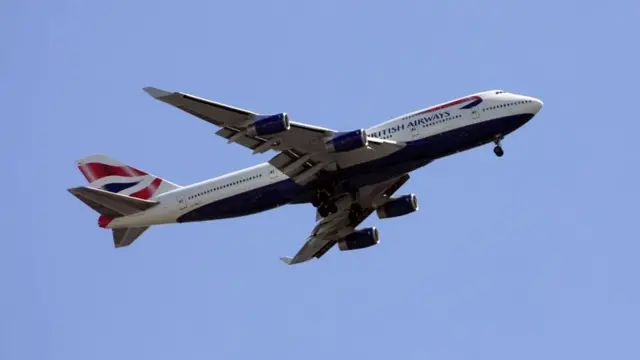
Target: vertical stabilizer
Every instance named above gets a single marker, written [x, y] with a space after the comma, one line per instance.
[111, 175]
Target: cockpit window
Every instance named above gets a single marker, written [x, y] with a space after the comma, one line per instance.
[499, 92]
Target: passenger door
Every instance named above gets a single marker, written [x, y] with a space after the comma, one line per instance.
[475, 113]
[181, 202]
[415, 131]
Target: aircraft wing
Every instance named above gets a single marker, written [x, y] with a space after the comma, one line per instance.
[302, 151]
[329, 230]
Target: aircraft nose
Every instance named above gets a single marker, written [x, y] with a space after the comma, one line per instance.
[534, 104]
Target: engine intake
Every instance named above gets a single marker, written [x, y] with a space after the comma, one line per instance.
[398, 207]
[347, 141]
[360, 239]
[269, 125]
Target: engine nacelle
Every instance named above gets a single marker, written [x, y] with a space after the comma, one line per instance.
[347, 141]
[398, 207]
[269, 125]
[360, 239]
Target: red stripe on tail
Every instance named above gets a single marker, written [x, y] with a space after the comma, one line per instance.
[104, 221]
[148, 191]
[96, 171]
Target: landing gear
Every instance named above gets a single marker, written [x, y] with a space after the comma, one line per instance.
[498, 149]
[320, 197]
[327, 209]
[354, 213]
[322, 200]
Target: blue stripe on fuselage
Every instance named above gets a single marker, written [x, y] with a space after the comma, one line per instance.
[413, 156]
[474, 103]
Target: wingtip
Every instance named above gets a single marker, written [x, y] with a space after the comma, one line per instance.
[287, 260]
[155, 92]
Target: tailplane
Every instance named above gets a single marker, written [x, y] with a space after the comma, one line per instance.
[125, 237]
[111, 206]
[117, 190]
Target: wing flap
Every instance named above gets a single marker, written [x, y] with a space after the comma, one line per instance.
[239, 137]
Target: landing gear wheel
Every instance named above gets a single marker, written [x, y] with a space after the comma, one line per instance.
[353, 218]
[354, 213]
[332, 208]
[320, 197]
[498, 149]
[323, 211]
[327, 209]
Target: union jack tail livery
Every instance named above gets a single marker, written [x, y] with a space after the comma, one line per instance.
[116, 190]
[110, 175]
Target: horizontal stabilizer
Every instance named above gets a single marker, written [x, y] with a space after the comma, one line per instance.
[110, 204]
[125, 237]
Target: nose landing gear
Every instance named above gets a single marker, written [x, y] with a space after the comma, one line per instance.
[498, 148]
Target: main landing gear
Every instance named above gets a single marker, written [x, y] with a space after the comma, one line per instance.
[354, 213]
[498, 149]
[327, 209]
[327, 206]
[322, 200]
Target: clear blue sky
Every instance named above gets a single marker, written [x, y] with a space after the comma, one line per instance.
[531, 256]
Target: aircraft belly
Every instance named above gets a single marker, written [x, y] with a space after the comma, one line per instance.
[246, 203]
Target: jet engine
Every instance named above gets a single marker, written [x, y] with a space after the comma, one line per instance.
[360, 239]
[269, 125]
[398, 207]
[347, 141]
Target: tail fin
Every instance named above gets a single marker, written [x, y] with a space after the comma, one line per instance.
[117, 190]
[110, 175]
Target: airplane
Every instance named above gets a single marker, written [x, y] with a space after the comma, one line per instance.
[345, 175]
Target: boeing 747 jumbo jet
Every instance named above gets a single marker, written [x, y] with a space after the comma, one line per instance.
[345, 175]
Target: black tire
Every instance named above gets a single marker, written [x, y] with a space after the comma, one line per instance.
[322, 196]
[353, 218]
[332, 208]
[498, 151]
[323, 211]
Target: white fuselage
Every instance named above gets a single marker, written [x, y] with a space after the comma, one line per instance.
[256, 188]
